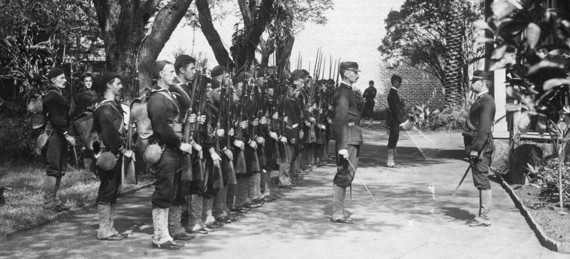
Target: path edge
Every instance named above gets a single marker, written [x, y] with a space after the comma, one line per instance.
[560, 247]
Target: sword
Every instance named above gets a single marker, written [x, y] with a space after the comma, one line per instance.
[364, 184]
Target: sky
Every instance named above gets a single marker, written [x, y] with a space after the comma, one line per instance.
[354, 31]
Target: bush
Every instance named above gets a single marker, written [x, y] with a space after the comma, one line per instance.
[450, 118]
[18, 140]
[545, 176]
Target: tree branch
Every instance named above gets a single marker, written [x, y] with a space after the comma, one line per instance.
[211, 34]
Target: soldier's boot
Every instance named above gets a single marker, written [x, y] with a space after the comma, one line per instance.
[195, 208]
[219, 208]
[390, 162]
[113, 213]
[257, 186]
[284, 178]
[106, 230]
[338, 213]
[254, 201]
[207, 214]
[177, 232]
[161, 238]
[483, 219]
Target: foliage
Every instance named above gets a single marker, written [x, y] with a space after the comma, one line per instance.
[545, 175]
[37, 35]
[359, 99]
[533, 44]
[17, 138]
[415, 35]
[450, 118]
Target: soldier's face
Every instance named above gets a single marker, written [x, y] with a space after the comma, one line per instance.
[59, 81]
[167, 74]
[115, 86]
[88, 82]
[227, 79]
[189, 72]
[299, 82]
[477, 86]
[352, 76]
[216, 94]
[209, 91]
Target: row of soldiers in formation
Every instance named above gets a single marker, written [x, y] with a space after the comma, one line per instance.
[211, 141]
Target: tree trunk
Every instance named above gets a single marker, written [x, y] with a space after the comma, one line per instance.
[127, 50]
[284, 49]
[454, 56]
[211, 34]
[255, 22]
[267, 48]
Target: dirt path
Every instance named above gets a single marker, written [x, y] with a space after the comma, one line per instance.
[411, 215]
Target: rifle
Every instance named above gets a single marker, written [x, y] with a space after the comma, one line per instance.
[194, 134]
[240, 166]
[187, 172]
[129, 174]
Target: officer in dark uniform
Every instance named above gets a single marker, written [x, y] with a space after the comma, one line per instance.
[163, 113]
[56, 110]
[369, 95]
[108, 122]
[348, 135]
[396, 118]
[478, 138]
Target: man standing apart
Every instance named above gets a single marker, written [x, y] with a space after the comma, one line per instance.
[395, 118]
[478, 138]
[348, 137]
[56, 109]
[369, 95]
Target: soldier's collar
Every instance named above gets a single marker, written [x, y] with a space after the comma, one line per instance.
[55, 88]
[482, 93]
[396, 89]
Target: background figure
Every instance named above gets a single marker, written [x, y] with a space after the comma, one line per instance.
[396, 118]
[369, 96]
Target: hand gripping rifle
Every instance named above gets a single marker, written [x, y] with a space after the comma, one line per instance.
[129, 176]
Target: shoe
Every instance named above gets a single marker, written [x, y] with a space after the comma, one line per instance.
[202, 231]
[239, 209]
[347, 220]
[183, 236]
[115, 237]
[170, 245]
[225, 220]
[59, 208]
[252, 205]
[479, 222]
[215, 225]
[285, 186]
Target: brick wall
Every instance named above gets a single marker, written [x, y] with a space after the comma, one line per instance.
[418, 87]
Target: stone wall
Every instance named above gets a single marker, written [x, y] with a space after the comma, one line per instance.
[418, 87]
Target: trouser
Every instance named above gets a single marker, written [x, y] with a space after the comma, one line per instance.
[345, 173]
[339, 194]
[220, 201]
[287, 151]
[106, 220]
[480, 171]
[166, 185]
[255, 186]
[110, 183]
[56, 158]
[394, 135]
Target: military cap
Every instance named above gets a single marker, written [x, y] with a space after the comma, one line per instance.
[54, 72]
[481, 75]
[157, 67]
[105, 78]
[349, 65]
[215, 84]
[296, 75]
[217, 70]
[183, 61]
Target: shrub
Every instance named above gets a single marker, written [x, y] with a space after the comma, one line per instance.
[17, 138]
[545, 175]
[450, 118]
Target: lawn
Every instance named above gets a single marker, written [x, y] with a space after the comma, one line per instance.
[24, 195]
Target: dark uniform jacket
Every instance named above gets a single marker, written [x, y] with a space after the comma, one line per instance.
[294, 123]
[346, 120]
[84, 100]
[369, 94]
[396, 107]
[56, 109]
[481, 116]
[108, 121]
[163, 112]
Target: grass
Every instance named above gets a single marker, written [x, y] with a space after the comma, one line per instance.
[24, 196]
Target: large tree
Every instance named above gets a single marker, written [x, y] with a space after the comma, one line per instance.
[428, 35]
[130, 47]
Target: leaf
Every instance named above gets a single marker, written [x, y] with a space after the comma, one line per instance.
[499, 52]
[562, 126]
[482, 25]
[511, 107]
[502, 8]
[532, 34]
[555, 82]
[548, 62]
[516, 4]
